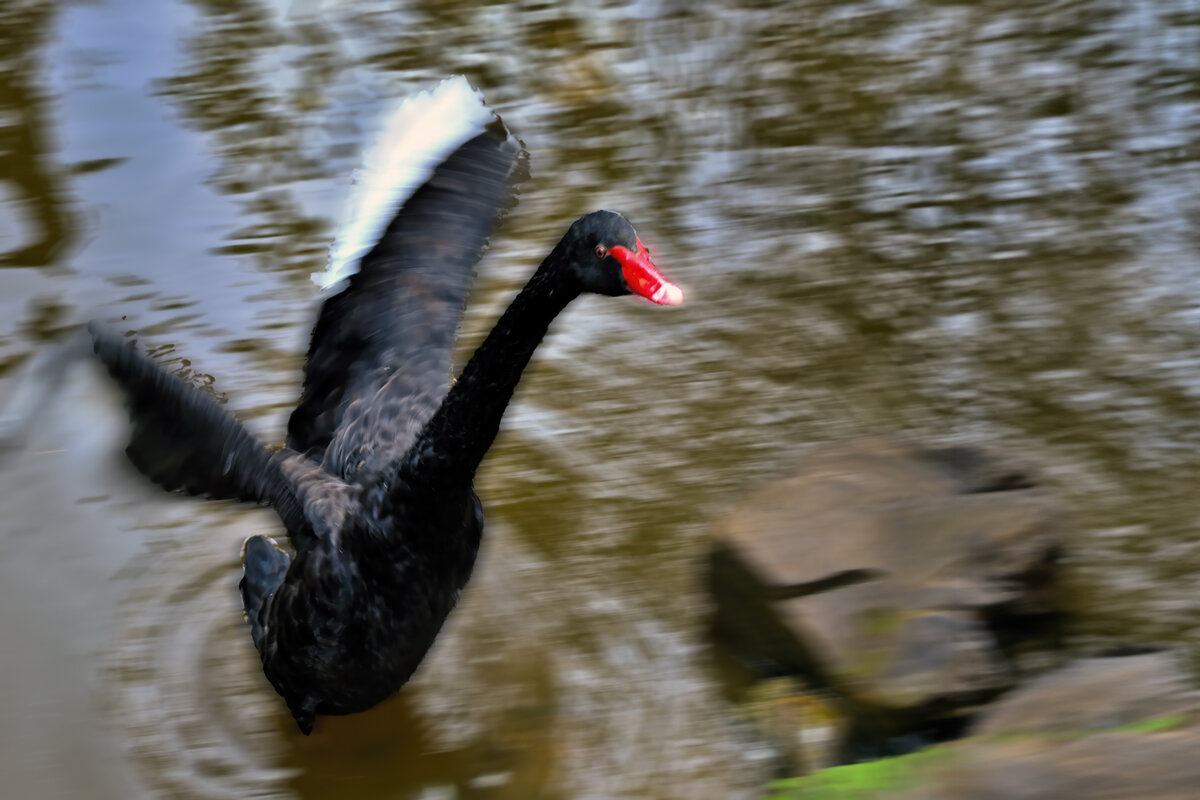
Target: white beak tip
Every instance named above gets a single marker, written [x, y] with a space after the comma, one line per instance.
[669, 295]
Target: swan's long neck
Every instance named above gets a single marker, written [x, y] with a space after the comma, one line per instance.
[455, 439]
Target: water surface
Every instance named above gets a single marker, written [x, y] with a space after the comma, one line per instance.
[968, 222]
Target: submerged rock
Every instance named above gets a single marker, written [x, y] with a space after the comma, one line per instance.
[804, 728]
[878, 567]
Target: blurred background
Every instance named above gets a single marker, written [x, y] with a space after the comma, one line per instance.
[968, 222]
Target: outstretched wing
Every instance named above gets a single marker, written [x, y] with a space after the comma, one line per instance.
[185, 441]
[379, 361]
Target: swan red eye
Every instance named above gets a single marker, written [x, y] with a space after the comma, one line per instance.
[601, 251]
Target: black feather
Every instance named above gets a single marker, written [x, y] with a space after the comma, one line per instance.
[184, 440]
[379, 362]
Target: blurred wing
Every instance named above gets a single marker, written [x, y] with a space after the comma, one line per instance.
[379, 361]
[184, 440]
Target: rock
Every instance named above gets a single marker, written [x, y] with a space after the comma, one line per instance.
[1092, 695]
[1101, 728]
[876, 568]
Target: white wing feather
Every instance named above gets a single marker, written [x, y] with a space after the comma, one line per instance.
[416, 136]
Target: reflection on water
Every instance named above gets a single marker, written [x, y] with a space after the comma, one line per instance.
[968, 221]
[38, 228]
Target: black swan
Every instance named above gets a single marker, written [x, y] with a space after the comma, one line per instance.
[374, 485]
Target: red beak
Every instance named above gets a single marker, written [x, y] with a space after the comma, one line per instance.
[642, 277]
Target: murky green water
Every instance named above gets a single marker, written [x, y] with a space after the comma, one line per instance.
[971, 222]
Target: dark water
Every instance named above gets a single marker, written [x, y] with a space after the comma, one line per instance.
[971, 222]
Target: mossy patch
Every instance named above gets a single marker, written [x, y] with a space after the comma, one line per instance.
[1141, 726]
[865, 780]
[1152, 725]
[879, 621]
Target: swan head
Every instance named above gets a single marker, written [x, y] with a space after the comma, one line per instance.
[608, 258]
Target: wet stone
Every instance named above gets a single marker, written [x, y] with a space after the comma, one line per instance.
[879, 569]
[1094, 695]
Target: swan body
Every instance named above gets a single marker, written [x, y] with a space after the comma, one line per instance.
[374, 485]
